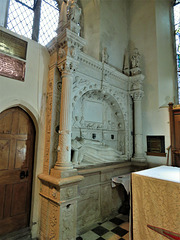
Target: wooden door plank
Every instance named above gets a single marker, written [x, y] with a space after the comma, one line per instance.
[7, 203]
[13, 224]
[19, 199]
[16, 157]
[2, 197]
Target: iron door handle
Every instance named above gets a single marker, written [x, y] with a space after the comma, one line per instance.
[22, 174]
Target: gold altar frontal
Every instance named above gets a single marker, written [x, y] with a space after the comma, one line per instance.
[156, 204]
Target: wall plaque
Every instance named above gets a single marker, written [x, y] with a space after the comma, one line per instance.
[12, 67]
[12, 45]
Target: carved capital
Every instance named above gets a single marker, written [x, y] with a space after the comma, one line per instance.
[68, 65]
[137, 95]
[136, 84]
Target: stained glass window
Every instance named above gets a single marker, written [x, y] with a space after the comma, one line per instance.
[22, 13]
[177, 38]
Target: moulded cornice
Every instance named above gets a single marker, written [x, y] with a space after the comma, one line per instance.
[73, 38]
[99, 66]
[52, 46]
[114, 73]
[90, 61]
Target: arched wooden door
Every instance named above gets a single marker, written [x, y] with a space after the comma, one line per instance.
[17, 134]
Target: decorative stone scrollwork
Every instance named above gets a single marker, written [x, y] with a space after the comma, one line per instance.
[53, 220]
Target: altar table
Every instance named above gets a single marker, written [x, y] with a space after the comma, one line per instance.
[156, 204]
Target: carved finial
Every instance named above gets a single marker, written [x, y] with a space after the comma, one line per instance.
[63, 12]
[70, 14]
[126, 63]
[104, 55]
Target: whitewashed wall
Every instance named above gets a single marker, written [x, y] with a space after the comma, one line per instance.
[31, 96]
[105, 25]
[150, 31]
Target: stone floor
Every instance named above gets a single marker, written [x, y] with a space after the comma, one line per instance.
[115, 229]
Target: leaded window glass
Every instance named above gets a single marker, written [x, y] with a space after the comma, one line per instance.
[48, 21]
[20, 19]
[22, 13]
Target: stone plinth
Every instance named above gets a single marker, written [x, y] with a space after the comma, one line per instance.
[59, 207]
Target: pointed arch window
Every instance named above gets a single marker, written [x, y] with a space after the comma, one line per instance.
[35, 19]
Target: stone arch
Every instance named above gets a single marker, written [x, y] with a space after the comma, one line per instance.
[115, 129]
[81, 86]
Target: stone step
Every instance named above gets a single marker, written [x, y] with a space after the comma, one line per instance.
[22, 234]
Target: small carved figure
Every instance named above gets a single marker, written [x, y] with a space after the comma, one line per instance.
[73, 11]
[135, 58]
[61, 52]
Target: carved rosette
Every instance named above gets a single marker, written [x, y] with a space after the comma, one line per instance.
[137, 95]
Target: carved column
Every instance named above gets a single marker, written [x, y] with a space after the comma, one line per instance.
[137, 94]
[59, 189]
[64, 147]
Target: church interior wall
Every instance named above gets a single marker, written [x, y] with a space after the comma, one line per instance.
[30, 95]
[105, 25]
[91, 27]
[150, 31]
[114, 30]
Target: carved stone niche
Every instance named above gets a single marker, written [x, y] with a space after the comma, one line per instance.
[98, 129]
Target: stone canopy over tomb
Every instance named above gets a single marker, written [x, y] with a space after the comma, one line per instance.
[89, 121]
